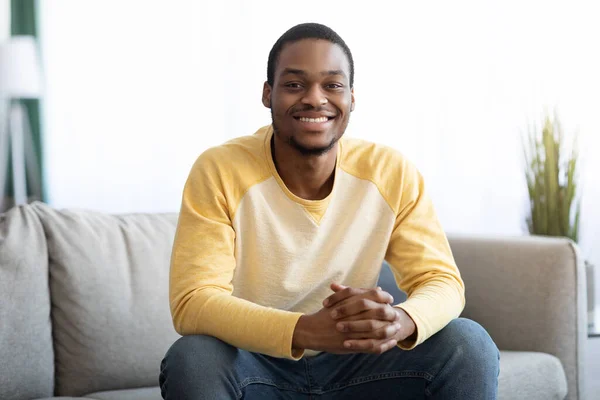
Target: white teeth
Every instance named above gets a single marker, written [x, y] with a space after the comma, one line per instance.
[322, 119]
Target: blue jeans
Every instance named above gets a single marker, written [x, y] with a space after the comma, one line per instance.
[460, 362]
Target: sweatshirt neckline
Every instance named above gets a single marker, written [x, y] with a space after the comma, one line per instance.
[312, 204]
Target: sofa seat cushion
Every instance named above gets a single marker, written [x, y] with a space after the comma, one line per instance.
[65, 398]
[150, 393]
[531, 376]
[109, 284]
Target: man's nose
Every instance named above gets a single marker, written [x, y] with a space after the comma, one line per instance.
[315, 97]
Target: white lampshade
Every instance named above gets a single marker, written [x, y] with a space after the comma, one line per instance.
[19, 68]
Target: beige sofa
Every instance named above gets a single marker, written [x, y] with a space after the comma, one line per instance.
[84, 309]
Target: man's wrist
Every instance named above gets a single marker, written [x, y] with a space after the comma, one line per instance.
[300, 336]
[407, 320]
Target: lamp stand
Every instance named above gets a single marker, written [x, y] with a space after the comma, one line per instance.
[22, 154]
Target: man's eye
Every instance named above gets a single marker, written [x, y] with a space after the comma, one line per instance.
[293, 85]
[334, 86]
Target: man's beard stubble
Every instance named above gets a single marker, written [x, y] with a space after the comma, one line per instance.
[305, 151]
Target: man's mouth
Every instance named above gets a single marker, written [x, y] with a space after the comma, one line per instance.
[318, 120]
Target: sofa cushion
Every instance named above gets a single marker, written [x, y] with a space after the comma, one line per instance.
[109, 279]
[523, 376]
[65, 398]
[151, 393]
[531, 376]
[26, 356]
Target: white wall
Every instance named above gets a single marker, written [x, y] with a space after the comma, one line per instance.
[137, 89]
[125, 91]
[592, 365]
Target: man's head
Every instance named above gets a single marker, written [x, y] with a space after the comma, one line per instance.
[309, 88]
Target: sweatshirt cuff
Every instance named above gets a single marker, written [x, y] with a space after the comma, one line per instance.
[287, 351]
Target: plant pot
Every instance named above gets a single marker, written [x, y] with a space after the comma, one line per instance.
[590, 277]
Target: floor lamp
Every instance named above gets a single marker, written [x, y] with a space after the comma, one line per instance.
[19, 79]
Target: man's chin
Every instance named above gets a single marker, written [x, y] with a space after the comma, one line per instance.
[308, 143]
[312, 149]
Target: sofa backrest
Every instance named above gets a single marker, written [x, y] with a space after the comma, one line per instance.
[529, 294]
[109, 279]
[26, 355]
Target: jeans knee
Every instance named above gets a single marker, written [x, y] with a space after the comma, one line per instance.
[198, 367]
[199, 351]
[473, 344]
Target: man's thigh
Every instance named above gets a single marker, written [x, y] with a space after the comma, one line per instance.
[390, 375]
[262, 377]
[439, 368]
[203, 367]
[460, 361]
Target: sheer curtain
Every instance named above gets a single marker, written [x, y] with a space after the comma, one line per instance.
[137, 89]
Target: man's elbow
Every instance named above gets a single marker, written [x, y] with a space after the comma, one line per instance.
[187, 309]
[182, 322]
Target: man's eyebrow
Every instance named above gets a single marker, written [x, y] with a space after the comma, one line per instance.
[292, 71]
[334, 72]
[295, 71]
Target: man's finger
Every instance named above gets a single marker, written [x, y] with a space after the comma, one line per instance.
[377, 295]
[380, 296]
[385, 313]
[345, 292]
[387, 332]
[370, 345]
[360, 326]
[354, 307]
[365, 326]
[341, 295]
[336, 287]
[364, 302]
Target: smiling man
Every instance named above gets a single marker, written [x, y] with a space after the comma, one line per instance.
[279, 246]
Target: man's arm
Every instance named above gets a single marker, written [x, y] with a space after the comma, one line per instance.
[422, 262]
[202, 268]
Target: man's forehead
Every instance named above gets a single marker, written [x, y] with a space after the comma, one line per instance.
[312, 55]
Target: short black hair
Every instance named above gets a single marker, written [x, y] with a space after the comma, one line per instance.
[307, 31]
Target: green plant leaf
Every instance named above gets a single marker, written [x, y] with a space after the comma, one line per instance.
[551, 181]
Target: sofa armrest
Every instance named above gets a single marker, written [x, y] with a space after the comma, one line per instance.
[529, 293]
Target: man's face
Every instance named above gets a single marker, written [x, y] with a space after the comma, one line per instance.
[311, 98]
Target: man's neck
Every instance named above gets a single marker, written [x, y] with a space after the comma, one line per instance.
[308, 177]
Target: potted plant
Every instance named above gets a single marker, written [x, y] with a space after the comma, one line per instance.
[551, 171]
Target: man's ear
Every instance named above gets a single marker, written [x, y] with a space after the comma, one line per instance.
[352, 104]
[266, 96]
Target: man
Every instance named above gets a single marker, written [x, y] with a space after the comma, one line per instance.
[279, 245]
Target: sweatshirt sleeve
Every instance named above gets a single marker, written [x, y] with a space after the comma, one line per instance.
[202, 268]
[422, 262]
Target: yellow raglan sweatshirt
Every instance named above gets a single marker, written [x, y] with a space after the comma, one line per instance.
[250, 257]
